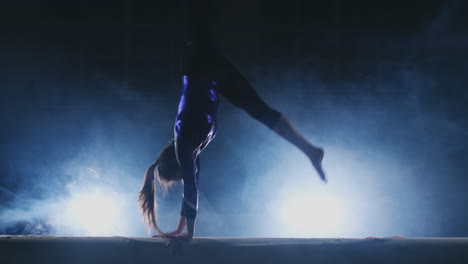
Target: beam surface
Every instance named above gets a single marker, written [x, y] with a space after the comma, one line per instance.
[115, 250]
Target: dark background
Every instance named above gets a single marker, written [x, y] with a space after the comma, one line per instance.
[89, 91]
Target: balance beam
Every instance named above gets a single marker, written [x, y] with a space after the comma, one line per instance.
[116, 250]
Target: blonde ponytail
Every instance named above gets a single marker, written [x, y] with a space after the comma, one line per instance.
[147, 200]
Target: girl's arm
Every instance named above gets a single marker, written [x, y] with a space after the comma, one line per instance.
[190, 204]
[190, 228]
[190, 198]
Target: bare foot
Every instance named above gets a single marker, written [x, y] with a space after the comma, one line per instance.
[316, 156]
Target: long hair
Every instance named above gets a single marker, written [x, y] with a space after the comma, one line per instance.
[165, 168]
[147, 201]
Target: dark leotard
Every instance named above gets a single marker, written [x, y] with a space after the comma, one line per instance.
[205, 75]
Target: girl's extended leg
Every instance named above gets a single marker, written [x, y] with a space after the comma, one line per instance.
[285, 128]
[240, 93]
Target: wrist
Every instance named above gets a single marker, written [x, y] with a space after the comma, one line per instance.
[188, 235]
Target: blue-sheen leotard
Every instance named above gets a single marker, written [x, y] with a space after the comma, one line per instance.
[195, 125]
[205, 74]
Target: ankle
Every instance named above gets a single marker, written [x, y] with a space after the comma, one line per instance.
[313, 150]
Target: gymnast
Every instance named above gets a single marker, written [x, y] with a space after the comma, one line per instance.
[206, 74]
